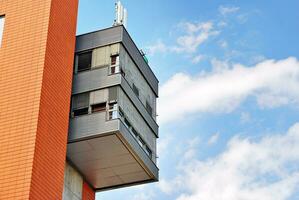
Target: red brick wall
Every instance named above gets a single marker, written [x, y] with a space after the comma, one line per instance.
[52, 128]
[35, 83]
[87, 192]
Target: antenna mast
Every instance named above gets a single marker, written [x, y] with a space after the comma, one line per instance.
[121, 15]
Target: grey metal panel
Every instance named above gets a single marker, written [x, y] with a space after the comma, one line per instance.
[140, 107]
[91, 125]
[93, 80]
[139, 61]
[98, 38]
[138, 150]
[95, 125]
[113, 94]
[114, 35]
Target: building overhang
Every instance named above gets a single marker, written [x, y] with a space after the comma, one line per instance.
[110, 159]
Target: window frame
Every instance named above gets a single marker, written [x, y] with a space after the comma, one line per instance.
[94, 108]
[74, 111]
[136, 90]
[78, 61]
[2, 24]
[148, 106]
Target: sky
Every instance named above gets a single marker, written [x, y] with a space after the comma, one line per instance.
[228, 97]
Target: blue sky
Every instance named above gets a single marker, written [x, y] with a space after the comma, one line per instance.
[229, 97]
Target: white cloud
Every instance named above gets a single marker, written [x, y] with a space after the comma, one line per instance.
[243, 18]
[264, 169]
[192, 147]
[197, 59]
[222, 90]
[196, 34]
[223, 44]
[213, 139]
[245, 117]
[224, 10]
[158, 47]
[193, 35]
[144, 196]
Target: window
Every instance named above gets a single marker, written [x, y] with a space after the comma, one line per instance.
[114, 69]
[80, 104]
[136, 90]
[2, 19]
[114, 64]
[135, 134]
[127, 123]
[121, 113]
[80, 111]
[149, 108]
[84, 61]
[100, 107]
[148, 151]
[115, 60]
[112, 110]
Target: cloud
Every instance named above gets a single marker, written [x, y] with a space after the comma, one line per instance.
[272, 83]
[245, 117]
[144, 195]
[213, 139]
[158, 47]
[191, 37]
[197, 59]
[223, 44]
[225, 10]
[247, 169]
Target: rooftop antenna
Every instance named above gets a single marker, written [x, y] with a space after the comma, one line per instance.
[121, 15]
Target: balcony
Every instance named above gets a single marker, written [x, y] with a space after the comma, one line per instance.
[107, 153]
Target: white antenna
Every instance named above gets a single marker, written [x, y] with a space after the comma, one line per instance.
[121, 15]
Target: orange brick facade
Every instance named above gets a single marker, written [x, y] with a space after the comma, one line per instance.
[36, 60]
[87, 192]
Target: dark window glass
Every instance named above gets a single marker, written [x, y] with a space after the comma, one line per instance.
[81, 111]
[2, 19]
[114, 59]
[84, 61]
[134, 132]
[149, 108]
[141, 141]
[101, 107]
[80, 101]
[121, 113]
[136, 90]
[127, 123]
[148, 151]
[112, 70]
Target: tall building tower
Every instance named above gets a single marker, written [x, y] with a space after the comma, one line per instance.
[36, 58]
[71, 127]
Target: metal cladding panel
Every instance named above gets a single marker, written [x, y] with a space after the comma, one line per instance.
[99, 38]
[91, 125]
[139, 151]
[140, 107]
[139, 60]
[93, 80]
[114, 35]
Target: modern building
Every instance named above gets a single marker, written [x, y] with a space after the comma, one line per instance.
[71, 127]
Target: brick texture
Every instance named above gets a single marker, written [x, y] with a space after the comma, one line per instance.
[87, 192]
[36, 61]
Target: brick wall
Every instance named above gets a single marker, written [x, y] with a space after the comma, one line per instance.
[87, 193]
[35, 83]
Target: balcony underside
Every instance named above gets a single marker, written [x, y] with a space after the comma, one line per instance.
[109, 158]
